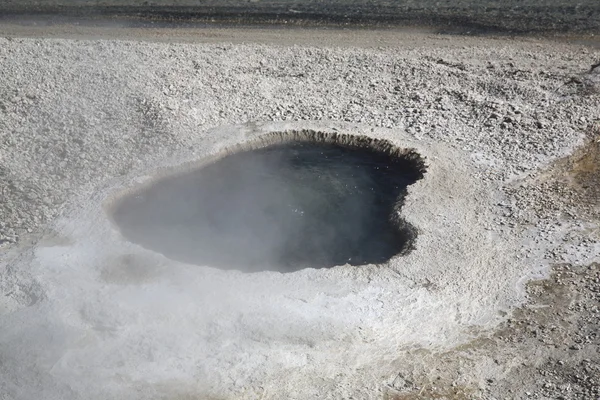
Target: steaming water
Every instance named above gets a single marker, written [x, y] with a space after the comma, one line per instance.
[284, 207]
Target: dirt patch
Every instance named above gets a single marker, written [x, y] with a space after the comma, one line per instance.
[547, 349]
[433, 392]
[585, 172]
[577, 176]
[556, 337]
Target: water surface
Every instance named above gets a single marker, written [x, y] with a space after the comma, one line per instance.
[284, 207]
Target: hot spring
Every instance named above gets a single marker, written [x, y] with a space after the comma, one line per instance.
[286, 202]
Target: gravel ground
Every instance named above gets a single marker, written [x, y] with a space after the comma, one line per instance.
[509, 127]
[548, 348]
[455, 15]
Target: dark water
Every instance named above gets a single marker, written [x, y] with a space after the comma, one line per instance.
[282, 208]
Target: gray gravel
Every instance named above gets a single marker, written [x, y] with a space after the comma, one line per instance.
[78, 117]
[556, 16]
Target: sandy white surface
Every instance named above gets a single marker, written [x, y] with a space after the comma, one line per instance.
[87, 315]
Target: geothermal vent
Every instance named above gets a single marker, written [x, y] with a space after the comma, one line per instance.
[284, 202]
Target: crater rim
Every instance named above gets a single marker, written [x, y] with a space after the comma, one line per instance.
[414, 160]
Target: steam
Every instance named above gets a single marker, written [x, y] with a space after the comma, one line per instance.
[285, 202]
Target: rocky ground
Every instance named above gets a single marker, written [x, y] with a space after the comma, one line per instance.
[75, 114]
[549, 348]
[546, 350]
